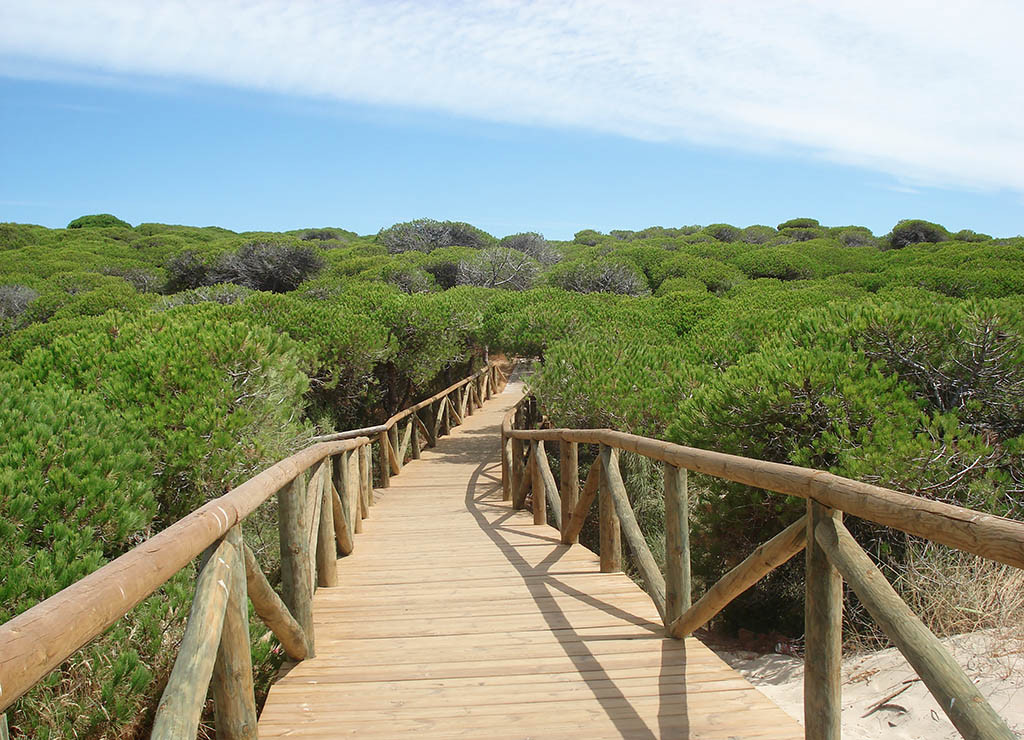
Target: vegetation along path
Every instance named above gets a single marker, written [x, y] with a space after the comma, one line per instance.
[458, 617]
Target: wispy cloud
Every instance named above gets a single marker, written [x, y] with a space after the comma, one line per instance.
[927, 92]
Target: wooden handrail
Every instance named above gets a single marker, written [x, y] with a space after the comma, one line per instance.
[831, 554]
[38, 640]
[990, 536]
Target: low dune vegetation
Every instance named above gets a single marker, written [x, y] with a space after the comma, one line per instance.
[148, 369]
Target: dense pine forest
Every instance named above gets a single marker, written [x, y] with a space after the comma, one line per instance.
[148, 369]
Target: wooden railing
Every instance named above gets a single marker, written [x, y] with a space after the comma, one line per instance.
[831, 552]
[324, 492]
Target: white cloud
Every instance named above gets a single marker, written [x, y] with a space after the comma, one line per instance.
[925, 91]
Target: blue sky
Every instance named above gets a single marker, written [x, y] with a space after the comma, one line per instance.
[545, 116]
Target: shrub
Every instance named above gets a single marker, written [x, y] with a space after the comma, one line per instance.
[600, 277]
[716, 275]
[409, 278]
[799, 223]
[967, 235]
[588, 236]
[916, 232]
[781, 263]
[99, 220]
[321, 235]
[498, 267]
[534, 245]
[757, 234]
[724, 232]
[275, 268]
[802, 234]
[856, 236]
[223, 293]
[14, 300]
[186, 271]
[426, 235]
[143, 280]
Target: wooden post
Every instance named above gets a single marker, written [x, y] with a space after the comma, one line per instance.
[234, 699]
[366, 474]
[432, 426]
[181, 706]
[517, 468]
[506, 468]
[757, 565]
[554, 501]
[569, 474]
[957, 696]
[453, 412]
[296, 564]
[342, 529]
[677, 543]
[360, 491]
[392, 440]
[823, 624]
[489, 383]
[406, 439]
[540, 499]
[611, 532]
[269, 608]
[342, 485]
[571, 534]
[415, 439]
[326, 549]
[385, 461]
[642, 556]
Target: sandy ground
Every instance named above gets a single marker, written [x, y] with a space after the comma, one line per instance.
[993, 662]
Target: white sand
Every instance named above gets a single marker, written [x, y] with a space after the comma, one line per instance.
[993, 662]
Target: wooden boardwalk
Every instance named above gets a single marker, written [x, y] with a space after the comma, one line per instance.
[458, 617]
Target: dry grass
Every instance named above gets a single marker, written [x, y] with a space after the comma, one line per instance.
[956, 593]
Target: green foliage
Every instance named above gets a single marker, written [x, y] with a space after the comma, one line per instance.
[799, 223]
[811, 345]
[915, 231]
[99, 220]
[724, 232]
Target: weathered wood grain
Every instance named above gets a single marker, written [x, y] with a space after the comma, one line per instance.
[272, 611]
[181, 705]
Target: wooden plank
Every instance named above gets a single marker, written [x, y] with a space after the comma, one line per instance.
[459, 617]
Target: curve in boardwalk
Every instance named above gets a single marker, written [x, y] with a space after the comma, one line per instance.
[458, 617]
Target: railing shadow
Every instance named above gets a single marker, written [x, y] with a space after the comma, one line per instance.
[483, 493]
